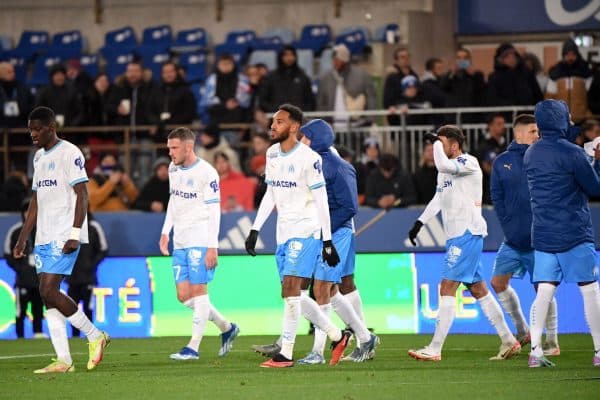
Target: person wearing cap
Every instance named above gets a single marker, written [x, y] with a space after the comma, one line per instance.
[154, 195]
[411, 96]
[212, 143]
[344, 88]
[63, 98]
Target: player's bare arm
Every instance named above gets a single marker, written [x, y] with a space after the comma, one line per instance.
[81, 206]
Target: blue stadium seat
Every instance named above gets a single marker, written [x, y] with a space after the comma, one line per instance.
[118, 42]
[314, 37]
[41, 69]
[240, 38]
[154, 62]
[198, 91]
[20, 65]
[267, 57]
[285, 34]
[5, 43]
[66, 45]
[239, 53]
[90, 64]
[391, 30]
[306, 60]
[195, 66]
[356, 41]
[116, 63]
[30, 44]
[354, 28]
[190, 40]
[156, 39]
[267, 43]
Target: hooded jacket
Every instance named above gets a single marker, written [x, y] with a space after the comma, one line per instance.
[510, 195]
[560, 180]
[340, 176]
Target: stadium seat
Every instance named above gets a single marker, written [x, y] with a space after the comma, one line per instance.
[41, 69]
[267, 57]
[356, 41]
[325, 61]
[190, 40]
[198, 91]
[30, 44]
[240, 38]
[354, 28]
[238, 52]
[20, 65]
[285, 34]
[154, 63]
[314, 37]
[5, 43]
[116, 63]
[156, 39]
[118, 42]
[306, 61]
[195, 66]
[90, 64]
[391, 30]
[267, 43]
[66, 45]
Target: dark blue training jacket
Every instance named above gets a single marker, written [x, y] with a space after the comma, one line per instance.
[340, 176]
[560, 180]
[510, 195]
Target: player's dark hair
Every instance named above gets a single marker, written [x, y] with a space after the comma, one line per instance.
[182, 134]
[44, 114]
[295, 112]
[524, 119]
[452, 132]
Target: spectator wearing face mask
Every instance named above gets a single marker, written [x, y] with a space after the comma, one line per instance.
[463, 84]
[110, 188]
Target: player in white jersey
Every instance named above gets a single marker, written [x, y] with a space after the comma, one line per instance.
[296, 187]
[458, 197]
[58, 210]
[194, 214]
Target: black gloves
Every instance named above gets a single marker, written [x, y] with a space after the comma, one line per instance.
[330, 255]
[432, 137]
[251, 242]
[414, 231]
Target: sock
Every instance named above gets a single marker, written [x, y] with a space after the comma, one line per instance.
[57, 326]
[552, 323]
[320, 336]
[493, 312]
[312, 312]
[591, 305]
[344, 309]
[199, 319]
[80, 321]
[354, 299]
[446, 313]
[511, 304]
[538, 314]
[291, 315]
[217, 319]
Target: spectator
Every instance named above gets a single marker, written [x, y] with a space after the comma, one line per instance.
[387, 184]
[287, 84]
[491, 147]
[411, 97]
[227, 93]
[260, 144]
[345, 153]
[346, 87]
[400, 69]
[98, 95]
[431, 82]
[14, 191]
[263, 70]
[110, 188]
[590, 130]
[173, 100]
[83, 280]
[80, 80]
[511, 83]
[570, 80]
[61, 97]
[26, 282]
[532, 62]
[154, 196]
[464, 85]
[212, 143]
[237, 191]
[594, 93]
[367, 164]
[425, 177]
[16, 101]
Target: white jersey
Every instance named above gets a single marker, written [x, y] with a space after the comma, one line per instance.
[55, 172]
[458, 194]
[291, 177]
[194, 209]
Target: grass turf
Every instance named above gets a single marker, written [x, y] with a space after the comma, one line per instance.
[141, 368]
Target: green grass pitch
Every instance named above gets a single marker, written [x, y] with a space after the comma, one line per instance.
[141, 369]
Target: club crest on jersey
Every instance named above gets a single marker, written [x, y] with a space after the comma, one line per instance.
[51, 166]
[291, 169]
[190, 182]
[461, 160]
[317, 166]
[79, 162]
[214, 186]
[195, 256]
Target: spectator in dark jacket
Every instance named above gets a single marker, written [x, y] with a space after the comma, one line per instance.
[393, 81]
[387, 184]
[99, 93]
[26, 284]
[83, 280]
[287, 84]
[431, 82]
[367, 163]
[16, 100]
[511, 83]
[154, 195]
[173, 100]
[62, 97]
[464, 85]
[14, 191]
[493, 144]
[425, 177]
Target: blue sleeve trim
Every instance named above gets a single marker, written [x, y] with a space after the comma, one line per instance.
[212, 201]
[79, 180]
[316, 185]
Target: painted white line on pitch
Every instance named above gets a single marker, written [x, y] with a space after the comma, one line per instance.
[31, 356]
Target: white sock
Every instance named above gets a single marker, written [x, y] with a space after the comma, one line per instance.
[511, 304]
[591, 305]
[552, 323]
[199, 319]
[446, 313]
[320, 336]
[538, 314]
[354, 299]
[493, 312]
[217, 319]
[344, 309]
[80, 321]
[291, 315]
[57, 326]
[312, 312]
